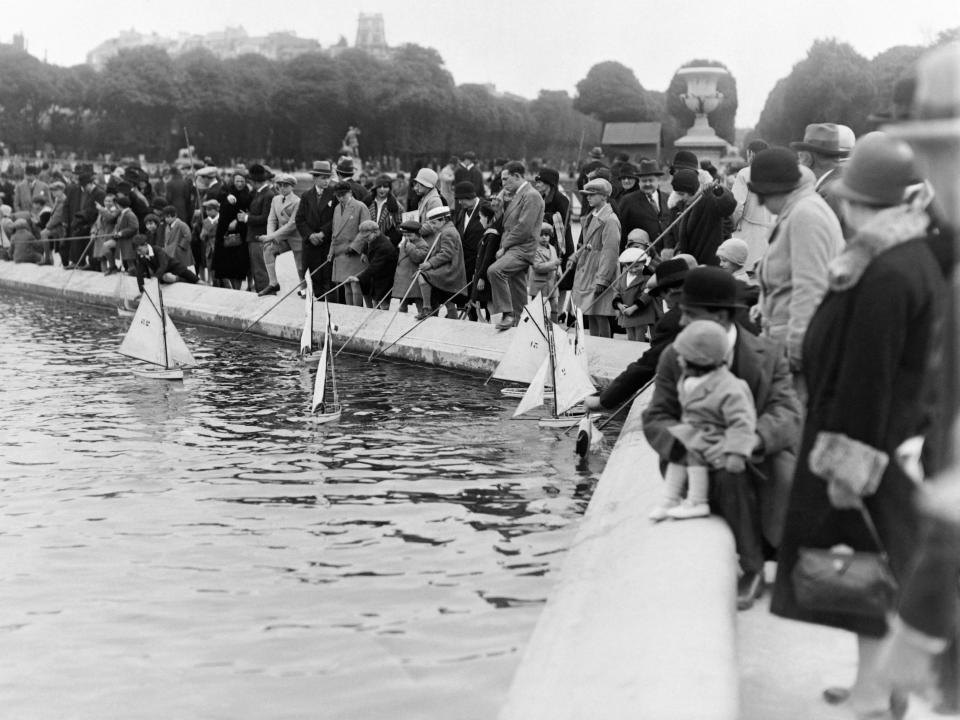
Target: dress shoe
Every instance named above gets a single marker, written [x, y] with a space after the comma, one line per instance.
[506, 322]
[688, 510]
[269, 290]
[749, 588]
[423, 314]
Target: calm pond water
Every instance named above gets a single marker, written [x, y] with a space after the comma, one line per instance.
[200, 550]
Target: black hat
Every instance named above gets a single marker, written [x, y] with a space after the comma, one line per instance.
[685, 159]
[686, 180]
[383, 180]
[669, 274]
[345, 167]
[709, 287]
[258, 173]
[342, 187]
[464, 190]
[84, 178]
[774, 171]
[470, 155]
[169, 211]
[648, 167]
[629, 170]
[549, 176]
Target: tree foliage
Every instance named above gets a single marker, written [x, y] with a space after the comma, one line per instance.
[611, 93]
[723, 119]
[144, 101]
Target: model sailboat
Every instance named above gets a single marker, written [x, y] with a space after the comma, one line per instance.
[153, 338]
[526, 352]
[565, 369]
[308, 352]
[325, 412]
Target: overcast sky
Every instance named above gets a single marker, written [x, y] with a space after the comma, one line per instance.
[523, 46]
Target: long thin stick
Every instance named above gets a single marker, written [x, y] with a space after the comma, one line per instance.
[418, 324]
[292, 291]
[416, 276]
[620, 407]
[360, 326]
[646, 252]
[79, 260]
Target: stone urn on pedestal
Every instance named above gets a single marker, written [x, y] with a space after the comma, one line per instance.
[702, 99]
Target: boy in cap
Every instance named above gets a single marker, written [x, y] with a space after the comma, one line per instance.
[411, 252]
[718, 420]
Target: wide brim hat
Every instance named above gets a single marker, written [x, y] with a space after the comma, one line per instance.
[649, 167]
[438, 212]
[321, 168]
[342, 187]
[629, 170]
[345, 167]
[774, 171]
[596, 153]
[710, 287]
[208, 171]
[826, 139]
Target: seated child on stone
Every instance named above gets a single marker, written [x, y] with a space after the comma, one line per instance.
[717, 423]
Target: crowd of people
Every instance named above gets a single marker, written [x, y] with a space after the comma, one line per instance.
[794, 313]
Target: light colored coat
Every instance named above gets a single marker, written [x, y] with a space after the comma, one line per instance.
[718, 411]
[176, 243]
[346, 248]
[282, 221]
[753, 221]
[427, 203]
[793, 273]
[597, 262]
[521, 223]
[412, 253]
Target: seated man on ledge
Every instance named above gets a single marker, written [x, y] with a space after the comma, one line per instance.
[154, 262]
[752, 502]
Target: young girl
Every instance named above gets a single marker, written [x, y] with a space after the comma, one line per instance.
[208, 236]
[543, 271]
[717, 424]
[637, 311]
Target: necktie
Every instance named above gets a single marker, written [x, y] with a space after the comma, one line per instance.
[653, 201]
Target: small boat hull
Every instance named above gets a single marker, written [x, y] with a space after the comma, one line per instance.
[520, 391]
[125, 312]
[563, 421]
[172, 374]
[309, 359]
[330, 415]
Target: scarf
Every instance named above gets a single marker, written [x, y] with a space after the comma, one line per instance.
[888, 228]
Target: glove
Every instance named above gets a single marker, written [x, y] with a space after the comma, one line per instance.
[599, 290]
[717, 190]
[734, 464]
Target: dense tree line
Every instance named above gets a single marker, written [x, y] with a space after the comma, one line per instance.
[834, 83]
[253, 107]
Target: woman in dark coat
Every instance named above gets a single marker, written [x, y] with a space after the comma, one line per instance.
[867, 350]
[376, 278]
[231, 264]
[487, 248]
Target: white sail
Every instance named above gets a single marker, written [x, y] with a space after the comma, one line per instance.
[528, 346]
[572, 382]
[178, 354]
[533, 397]
[321, 380]
[306, 337]
[144, 339]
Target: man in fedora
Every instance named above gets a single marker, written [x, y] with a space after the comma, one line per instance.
[595, 160]
[256, 218]
[824, 149]
[647, 209]
[752, 502]
[805, 238]
[752, 221]
[346, 170]
[314, 220]
[467, 170]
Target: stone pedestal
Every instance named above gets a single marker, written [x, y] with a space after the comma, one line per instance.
[702, 98]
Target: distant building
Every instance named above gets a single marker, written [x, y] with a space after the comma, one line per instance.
[234, 42]
[637, 139]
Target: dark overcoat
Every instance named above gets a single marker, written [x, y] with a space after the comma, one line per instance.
[701, 231]
[866, 351]
[231, 262]
[376, 279]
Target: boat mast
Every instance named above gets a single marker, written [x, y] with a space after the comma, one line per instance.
[548, 326]
[326, 349]
[163, 328]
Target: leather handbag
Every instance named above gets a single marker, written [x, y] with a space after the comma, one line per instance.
[232, 240]
[847, 583]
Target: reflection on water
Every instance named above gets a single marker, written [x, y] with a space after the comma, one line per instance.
[171, 548]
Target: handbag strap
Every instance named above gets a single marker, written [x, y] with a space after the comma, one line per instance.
[872, 529]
